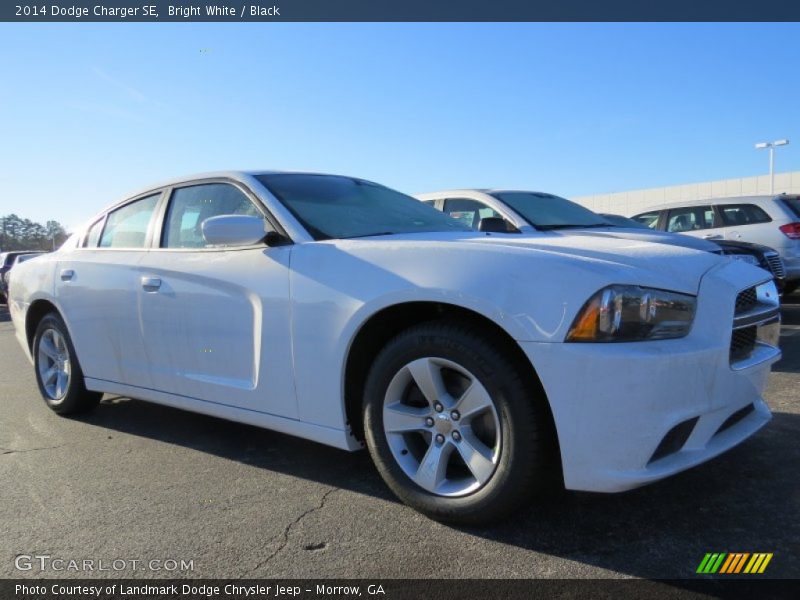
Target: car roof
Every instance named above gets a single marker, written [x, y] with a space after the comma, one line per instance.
[723, 200]
[243, 176]
[238, 175]
[488, 191]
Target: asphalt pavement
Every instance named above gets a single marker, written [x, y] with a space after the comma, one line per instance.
[139, 482]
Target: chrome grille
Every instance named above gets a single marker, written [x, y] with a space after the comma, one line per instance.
[775, 263]
[756, 322]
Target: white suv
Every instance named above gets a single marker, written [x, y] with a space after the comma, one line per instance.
[768, 220]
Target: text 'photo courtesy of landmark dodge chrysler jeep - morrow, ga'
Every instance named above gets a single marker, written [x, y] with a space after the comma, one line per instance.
[480, 369]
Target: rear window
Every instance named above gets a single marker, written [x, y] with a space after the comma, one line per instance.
[793, 202]
[94, 234]
[126, 227]
[742, 214]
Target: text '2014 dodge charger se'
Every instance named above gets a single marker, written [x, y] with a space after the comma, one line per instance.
[478, 368]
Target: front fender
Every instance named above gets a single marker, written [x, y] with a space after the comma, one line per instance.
[337, 286]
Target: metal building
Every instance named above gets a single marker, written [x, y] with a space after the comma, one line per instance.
[637, 201]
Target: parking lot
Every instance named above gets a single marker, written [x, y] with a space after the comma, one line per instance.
[136, 481]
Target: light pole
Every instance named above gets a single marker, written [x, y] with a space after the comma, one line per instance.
[771, 146]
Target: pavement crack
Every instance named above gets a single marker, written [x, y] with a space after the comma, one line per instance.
[288, 529]
[4, 451]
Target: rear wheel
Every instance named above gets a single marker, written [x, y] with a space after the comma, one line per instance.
[58, 373]
[454, 426]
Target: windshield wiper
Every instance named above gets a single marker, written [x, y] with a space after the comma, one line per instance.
[571, 226]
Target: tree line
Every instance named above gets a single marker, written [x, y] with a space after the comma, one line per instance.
[17, 233]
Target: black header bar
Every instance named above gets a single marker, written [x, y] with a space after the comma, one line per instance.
[152, 11]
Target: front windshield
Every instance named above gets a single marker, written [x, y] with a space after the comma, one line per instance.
[545, 211]
[330, 206]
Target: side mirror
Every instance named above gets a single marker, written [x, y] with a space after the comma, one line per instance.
[496, 225]
[234, 230]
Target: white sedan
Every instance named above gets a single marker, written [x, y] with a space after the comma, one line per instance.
[480, 369]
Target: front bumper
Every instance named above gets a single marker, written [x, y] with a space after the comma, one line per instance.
[614, 404]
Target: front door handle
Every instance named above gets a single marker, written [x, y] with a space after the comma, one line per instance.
[712, 237]
[151, 284]
[67, 274]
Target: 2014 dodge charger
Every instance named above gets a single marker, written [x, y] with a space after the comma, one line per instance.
[478, 368]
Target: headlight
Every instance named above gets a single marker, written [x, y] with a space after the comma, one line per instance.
[628, 313]
[748, 258]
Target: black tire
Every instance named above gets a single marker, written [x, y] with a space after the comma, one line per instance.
[526, 467]
[76, 398]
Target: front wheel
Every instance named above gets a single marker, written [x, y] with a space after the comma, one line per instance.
[58, 373]
[454, 425]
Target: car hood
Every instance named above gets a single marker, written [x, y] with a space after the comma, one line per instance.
[658, 237]
[627, 261]
[739, 247]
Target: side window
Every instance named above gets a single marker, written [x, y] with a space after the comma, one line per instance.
[649, 219]
[430, 203]
[126, 227]
[690, 218]
[468, 211]
[742, 214]
[93, 237]
[191, 205]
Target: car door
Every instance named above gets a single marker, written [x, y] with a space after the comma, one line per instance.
[697, 221]
[215, 320]
[96, 288]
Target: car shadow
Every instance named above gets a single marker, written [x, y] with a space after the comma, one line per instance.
[5, 316]
[745, 500]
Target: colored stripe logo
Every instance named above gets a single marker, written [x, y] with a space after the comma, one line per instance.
[734, 562]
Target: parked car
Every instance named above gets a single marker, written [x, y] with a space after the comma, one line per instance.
[755, 254]
[772, 221]
[479, 369]
[533, 213]
[8, 260]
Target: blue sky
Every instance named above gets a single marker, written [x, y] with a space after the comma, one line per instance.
[89, 112]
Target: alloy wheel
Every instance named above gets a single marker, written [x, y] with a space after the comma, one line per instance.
[442, 427]
[54, 364]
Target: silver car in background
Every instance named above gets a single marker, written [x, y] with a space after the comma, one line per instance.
[772, 221]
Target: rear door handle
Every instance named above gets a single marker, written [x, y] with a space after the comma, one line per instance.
[712, 237]
[151, 284]
[67, 274]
